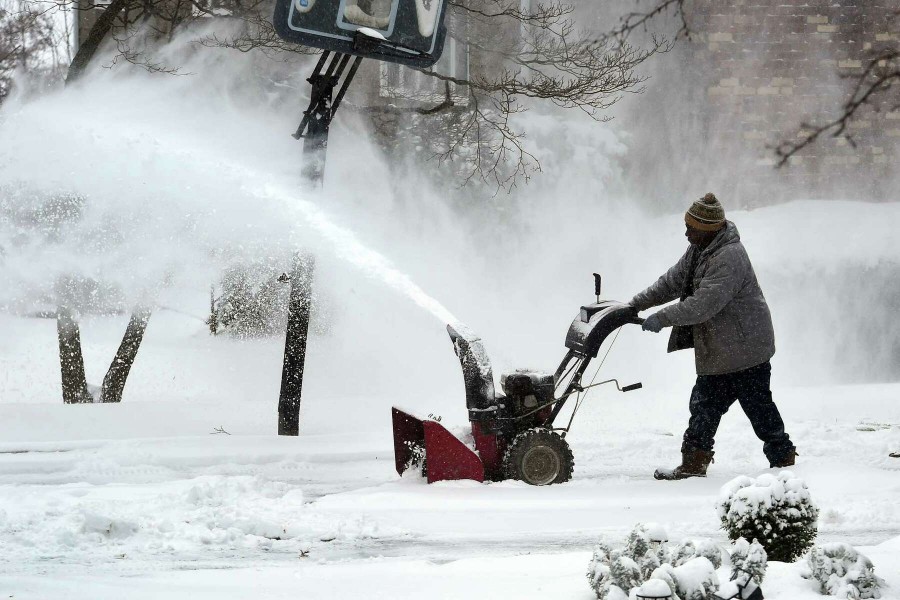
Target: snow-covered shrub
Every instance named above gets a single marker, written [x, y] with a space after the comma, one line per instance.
[711, 551]
[598, 572]
[624, 572]
[688, 570]
[638, 542]
[748, 558]
[775, 510]
[842, 571]
[639, 546]
[689, 550]
[664, 554]
[648, 564]
[748, 568]
[666, 572]
[653, 588]
[696, 579]
[683, 553]
[614, 573]
[252, 301]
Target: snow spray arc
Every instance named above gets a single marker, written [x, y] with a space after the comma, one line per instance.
[160, 218]
[348, 247]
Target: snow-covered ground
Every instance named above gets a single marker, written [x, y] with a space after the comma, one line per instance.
[142, 499]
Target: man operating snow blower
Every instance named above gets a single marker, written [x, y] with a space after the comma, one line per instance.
[722, 314]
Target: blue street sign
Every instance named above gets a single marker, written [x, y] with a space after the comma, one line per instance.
[409, 32]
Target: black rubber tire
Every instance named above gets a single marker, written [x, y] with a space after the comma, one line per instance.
[539, 457]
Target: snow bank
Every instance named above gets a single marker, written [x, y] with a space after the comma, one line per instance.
[207, 516]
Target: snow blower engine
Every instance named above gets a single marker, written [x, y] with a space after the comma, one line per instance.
[513, 434]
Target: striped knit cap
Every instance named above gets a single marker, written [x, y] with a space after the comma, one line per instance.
[706, 214]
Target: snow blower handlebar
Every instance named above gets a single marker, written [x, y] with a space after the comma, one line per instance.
[627, 388]
[595, 322]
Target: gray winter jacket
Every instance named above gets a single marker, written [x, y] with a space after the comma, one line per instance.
[726, 313]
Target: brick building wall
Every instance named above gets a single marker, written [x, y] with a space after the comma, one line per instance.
[770, 65]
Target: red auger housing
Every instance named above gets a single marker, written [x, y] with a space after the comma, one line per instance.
[513, 433]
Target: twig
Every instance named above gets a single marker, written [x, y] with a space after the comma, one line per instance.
[879, 75]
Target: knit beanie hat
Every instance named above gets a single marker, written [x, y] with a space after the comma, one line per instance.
[706, 214]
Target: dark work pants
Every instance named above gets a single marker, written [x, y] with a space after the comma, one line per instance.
[713, 395]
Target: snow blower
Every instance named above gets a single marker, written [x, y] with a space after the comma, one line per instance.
[513, 433]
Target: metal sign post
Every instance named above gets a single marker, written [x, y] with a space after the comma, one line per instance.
[317, 117]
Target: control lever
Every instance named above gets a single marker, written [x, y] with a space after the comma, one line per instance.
[627, 388]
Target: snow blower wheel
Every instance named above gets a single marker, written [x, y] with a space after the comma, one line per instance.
[539, 457]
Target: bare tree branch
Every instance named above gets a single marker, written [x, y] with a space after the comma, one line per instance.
[543, 15]
[28, 43]
[257, 33]
[877, 81]
[549, 64]
[125, 52]
[535, 56]
[641, 20]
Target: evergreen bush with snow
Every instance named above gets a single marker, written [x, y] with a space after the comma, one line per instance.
[252, 302]
[748, 569]
[749, 558]
[775, 510]
[682, 553]
[625, 572]
[842, 571]
[665, 572]
[689, 550]
[598, 573]
[711, 551]
[696, 579]
[689, 569]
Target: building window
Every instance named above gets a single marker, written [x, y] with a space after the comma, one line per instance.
[401, 82]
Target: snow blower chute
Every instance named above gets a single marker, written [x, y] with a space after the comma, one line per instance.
[513, 433]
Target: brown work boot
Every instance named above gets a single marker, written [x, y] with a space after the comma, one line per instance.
[787, 460]
[693, 464]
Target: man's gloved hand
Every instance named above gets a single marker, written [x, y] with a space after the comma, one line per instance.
[653, 323]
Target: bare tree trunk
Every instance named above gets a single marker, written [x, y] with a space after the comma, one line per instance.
[94, 39]
[295, 345]
[117, 374]
[71, 360]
